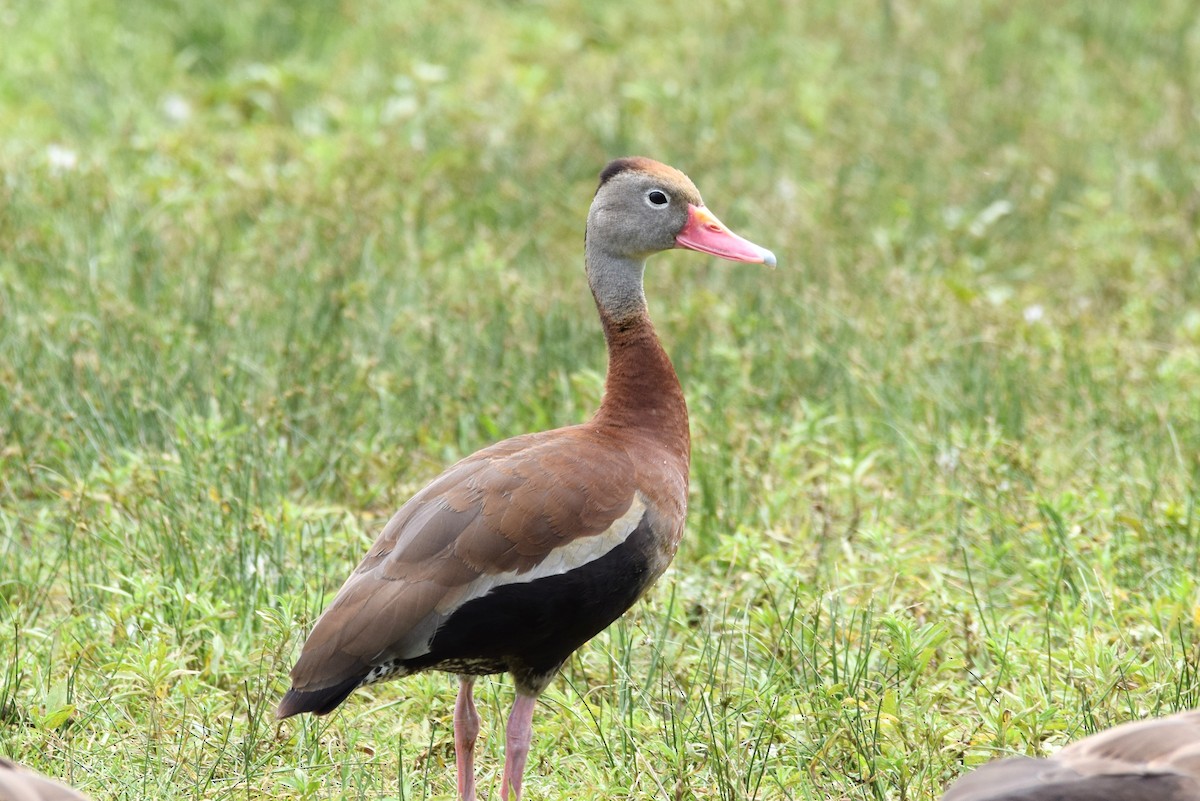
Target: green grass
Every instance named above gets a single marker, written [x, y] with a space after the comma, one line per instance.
[266, 269]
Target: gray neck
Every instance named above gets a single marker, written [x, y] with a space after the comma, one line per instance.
[616, 283]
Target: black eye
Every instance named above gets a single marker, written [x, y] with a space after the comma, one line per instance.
[657, 198]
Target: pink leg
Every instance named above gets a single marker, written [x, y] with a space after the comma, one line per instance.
[520, 732]
[466, 729]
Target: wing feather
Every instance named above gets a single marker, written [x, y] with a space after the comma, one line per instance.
[491, 517]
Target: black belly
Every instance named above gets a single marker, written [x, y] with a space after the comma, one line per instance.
[530, 628]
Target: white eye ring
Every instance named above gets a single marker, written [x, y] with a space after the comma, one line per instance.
[657, 199]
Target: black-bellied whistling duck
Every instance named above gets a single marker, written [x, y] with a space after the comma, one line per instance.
[18, 783]
[522, 552]
[1148, 760]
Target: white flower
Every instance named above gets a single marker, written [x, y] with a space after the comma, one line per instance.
[429, 73]
[947, 459]
[61, 159]
[176, 108]
[399, 107]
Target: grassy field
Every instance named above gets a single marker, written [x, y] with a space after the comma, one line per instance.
[266, 268]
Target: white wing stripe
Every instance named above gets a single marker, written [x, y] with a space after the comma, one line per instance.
[571, 556]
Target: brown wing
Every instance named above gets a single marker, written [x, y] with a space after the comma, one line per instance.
[1149, 760]
[503, 510]
[1165, 744]
[18, 783]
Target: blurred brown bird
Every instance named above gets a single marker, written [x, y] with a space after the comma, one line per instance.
[1149, 760]
[19, 783]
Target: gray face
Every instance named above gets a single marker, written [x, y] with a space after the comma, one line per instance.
[635, 214]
